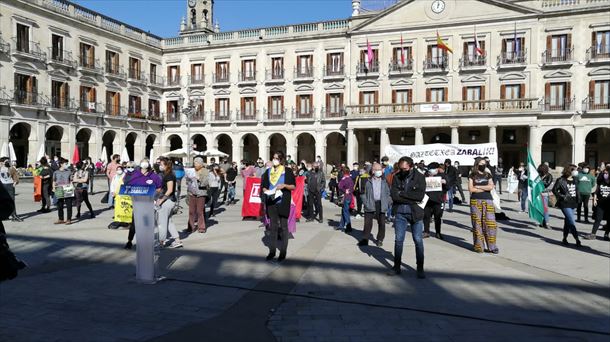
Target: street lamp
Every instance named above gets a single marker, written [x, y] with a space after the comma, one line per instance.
[191, 108]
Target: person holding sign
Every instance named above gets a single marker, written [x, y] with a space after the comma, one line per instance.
[436, 189]
[277, 184]
[408, 191]
[64, 191]
[482, 211]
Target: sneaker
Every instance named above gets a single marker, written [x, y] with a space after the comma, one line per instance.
[426, 235]
[128, 245]
[59, 222]
[379, 243]
[176, 244]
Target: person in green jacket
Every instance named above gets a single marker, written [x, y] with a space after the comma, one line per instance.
[585, 186]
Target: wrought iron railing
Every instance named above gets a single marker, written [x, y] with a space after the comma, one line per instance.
[600, 52]
[398, 67]
[557, 56]
[368, 68]
[596, 103]
[513, 57]
[512, 105]
[334, 70]
[472, 61]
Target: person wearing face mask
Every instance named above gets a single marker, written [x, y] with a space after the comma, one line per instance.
[408, 190]
[198, 191]
[566, 191]
[601, 200]
[62, 185]
[586, 181]
[458, 182]
[230, 179]
[482, 211]
[452, 180]
[260, 168]
[376, 202]
[522, 176]
[333, 184]
[110, 173]
[9, 177]
[214, 189]
[360, 190]
[81, 184]
[434, 206]
[346, 187]
[547, 181]
[316, 183]
[277, 178]
[166, 204]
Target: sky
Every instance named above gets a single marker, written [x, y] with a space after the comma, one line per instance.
[162, 17]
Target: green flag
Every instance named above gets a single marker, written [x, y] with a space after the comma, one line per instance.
[535, 187]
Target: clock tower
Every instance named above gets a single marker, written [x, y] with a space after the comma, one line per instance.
[199, 16]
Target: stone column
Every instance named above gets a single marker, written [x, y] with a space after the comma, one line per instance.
[383, 141]
[263, 146]
[291, 146]
[5, 128]
[321, 148]
[419, 137]
[352, 147]
[68, 141]
[578, 145]
[455, 135]
[237, 147]
[492, 134]
[535, 145]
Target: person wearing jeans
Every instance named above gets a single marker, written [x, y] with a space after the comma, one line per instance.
[522, 177]
[214, 190]
[408, 189]
[452, 179]
[166, 203]
[585, 187]
[565, 190]
[62, 178]
[346, 186]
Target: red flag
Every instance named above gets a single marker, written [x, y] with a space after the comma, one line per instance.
[476, 43]
[75, 155]
[251, 205]
[297, 195]
[441, 44]
[402, 51]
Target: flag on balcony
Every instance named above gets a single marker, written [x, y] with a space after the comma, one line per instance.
[477, 47]
[75, 155]
[441, 44]
[402, 51]
[535, 187]
[516, 42]
[369, 54]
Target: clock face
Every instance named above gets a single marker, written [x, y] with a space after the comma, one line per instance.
[192, 3]
[438, 6]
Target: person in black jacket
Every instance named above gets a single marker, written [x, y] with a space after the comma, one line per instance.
[547, 180]
[278, 178]
[452, 179]
[434, 206]
[408, 189]
[601, 200]
[565, 190]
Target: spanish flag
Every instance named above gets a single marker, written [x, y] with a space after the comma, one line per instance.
[441, 44]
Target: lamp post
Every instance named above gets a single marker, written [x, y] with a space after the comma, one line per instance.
[189, 110]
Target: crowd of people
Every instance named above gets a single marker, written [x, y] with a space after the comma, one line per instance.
[411, 195]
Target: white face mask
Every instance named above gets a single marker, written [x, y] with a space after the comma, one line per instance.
[276, 162]
[433, 172]
[130, 169]
[144, 165]
[162, 167]
[119, 172]
[378, 173]
[585, 170]
[574, 173]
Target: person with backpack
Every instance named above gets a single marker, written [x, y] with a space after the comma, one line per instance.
[360, 190]
[9, 177]
[179, 173]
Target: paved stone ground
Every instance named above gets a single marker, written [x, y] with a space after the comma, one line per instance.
[80, 285]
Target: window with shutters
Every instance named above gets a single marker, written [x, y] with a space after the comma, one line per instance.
[222, 109]
[135, 106]
[402, 100]
[26, 89]
[276, 106]
[334, 64]
[277, 68]
[513, 51]
[472, 97]
[248, 107]
[436, 58]
[87, 99]
[23, 38]
[601, 44]
[304, 66]
[87, 56]
[153, 108]
[135, 68]
[57, 48]
[369, 62]
[557, 96]
[222, 72]
[473, 56]
[60, 94]
[334, 104]
[402, 59]
[368, 101]
[196, 73]
[173, 74]
[601, 94]
[112, 62]
[304, 106]
[152, 70]
[248, 70]
[113, 103]
[511, 94]
[437, 95]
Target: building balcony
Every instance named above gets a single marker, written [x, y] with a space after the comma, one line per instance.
[136, 113]
[26, 98]
[512, 59]
[155, 81]
[28, 50]
[198, 116]
[557, 105]
[113, 110]
[397, 68]
[558, 57]
[61, 58]
[274, 76]
[473, 63]
[303, 74]
[247, 116]
[334, 72]
[91, 107]
[154, 115]
[221, 116]
[276, 115]
[5, 47]
[172, 117]
[137, 76]
[591, 104]
[173, 82]
[62, 104]
[247, 78]
[367, 69]
[90, 66]
[516, 106]
[333, 113]
[221, 80]
[598, 54]
[437, 64]
[196, 81]
[304, 115]
[115, 71]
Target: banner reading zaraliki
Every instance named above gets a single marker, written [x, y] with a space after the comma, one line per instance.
[463, 153]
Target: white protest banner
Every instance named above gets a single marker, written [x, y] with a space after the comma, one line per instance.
[463, 153]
